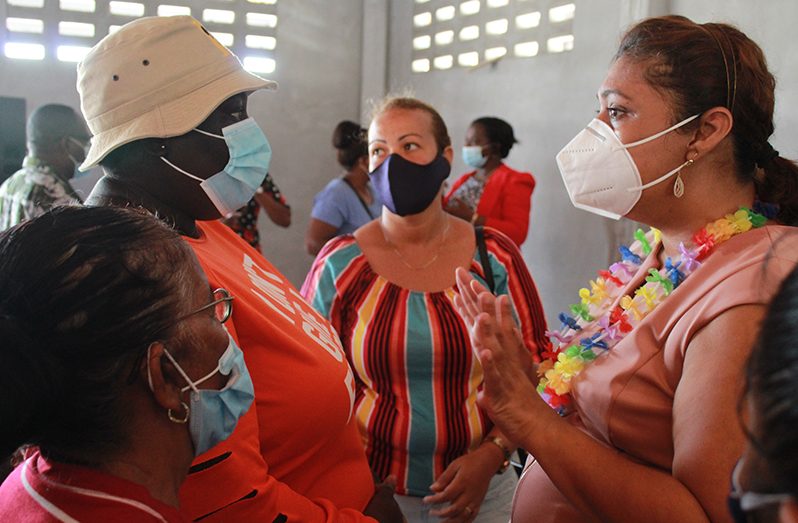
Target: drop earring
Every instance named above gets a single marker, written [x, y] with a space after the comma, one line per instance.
[678, 185]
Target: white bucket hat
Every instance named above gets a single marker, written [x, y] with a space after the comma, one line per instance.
[156, 77]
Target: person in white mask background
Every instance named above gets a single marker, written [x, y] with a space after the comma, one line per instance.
[493, 194]
[167, 107]
[57, 139]
[116, 369]
[388, 290]
[632, 416]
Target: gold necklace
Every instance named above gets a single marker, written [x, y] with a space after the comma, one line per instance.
[430, 261]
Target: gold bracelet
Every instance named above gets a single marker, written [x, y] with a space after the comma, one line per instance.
[496, 440]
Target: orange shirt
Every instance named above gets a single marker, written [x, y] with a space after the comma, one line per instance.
[303, 418]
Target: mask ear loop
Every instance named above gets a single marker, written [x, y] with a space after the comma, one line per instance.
[172, 417]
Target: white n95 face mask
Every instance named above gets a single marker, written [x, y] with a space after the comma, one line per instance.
[599, 173]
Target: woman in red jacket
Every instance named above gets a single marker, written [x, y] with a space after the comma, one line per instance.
[493, 194]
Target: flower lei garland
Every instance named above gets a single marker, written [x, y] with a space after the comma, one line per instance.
[570, 353]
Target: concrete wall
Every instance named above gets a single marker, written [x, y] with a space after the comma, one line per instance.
[549, 98]
[318, 69]
[332, 56]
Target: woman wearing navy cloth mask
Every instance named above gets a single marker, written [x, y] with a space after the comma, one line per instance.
[347, 202]
[493, 194]
[119, 363]
[388, 290]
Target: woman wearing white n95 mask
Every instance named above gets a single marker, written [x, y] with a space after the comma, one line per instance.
[647, 364]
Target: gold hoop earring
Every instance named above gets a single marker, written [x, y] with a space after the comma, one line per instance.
[678, 185]
[182, 420]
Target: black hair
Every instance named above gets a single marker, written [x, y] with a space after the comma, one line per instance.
[701, 66]
[772, 386]
[49, 123]
[83, 292]
[499, 132]
[350, 141]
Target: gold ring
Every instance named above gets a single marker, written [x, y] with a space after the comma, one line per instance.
[469, 511]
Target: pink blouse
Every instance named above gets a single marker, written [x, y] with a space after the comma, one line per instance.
[625, 398]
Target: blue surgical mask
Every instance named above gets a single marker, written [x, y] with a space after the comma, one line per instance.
[215, 413]
[407, 188]
[472, 156]
[250, 154]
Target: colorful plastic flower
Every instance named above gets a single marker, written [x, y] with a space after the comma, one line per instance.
[568, 321]
[641, 237]
[628, 256]
[607, 275]
[649, 296]
[629, 305]
[556, 382]
[568, 366]
[740, 221]
[689, 258]
[581, 310]
[654, 276]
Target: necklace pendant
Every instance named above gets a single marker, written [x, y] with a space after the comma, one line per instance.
[678, 186]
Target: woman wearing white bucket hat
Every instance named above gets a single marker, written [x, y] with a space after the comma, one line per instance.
[167, 105]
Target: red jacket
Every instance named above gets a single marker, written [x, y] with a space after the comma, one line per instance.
[505, 202]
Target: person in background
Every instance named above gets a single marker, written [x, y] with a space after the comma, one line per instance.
[245, 220]
[492, 194]
[167, 106]
[116, 369]
[347, 202]
[388, 290]
[57, 140]
[765, 480]
[647, 368]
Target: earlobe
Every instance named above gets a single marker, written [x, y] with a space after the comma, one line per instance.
[165, 393]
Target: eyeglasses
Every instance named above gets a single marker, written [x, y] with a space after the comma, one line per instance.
[752, 501]
[222, 306]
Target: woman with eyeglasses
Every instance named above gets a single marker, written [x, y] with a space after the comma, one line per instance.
[115, 371]
[765, 480]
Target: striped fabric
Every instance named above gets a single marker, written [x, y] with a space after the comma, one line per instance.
[416, 375]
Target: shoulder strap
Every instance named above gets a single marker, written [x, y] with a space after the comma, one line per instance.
[366, 207]
[483, 258]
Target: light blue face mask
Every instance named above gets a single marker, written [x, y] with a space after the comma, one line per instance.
[472, 156]
[215, 413]
[250, 154]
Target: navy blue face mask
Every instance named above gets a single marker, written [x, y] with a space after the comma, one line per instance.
[408, 188]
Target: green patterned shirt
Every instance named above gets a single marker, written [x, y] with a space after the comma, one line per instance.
[32, 191]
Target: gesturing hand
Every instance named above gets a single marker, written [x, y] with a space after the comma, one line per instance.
[508, 394]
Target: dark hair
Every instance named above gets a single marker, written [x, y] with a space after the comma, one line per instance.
[350, 140]
[50, 123]
[772, 382]
[83, 292]
[439, 130]
[715, 65]
[499, 132]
